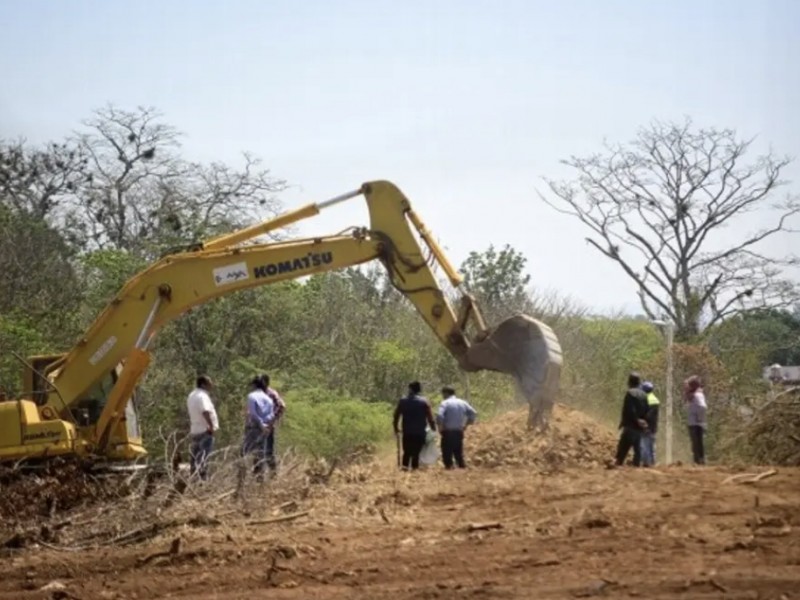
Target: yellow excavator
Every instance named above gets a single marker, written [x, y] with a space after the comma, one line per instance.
[82, 403]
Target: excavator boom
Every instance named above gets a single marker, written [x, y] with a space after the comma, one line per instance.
[117, 341]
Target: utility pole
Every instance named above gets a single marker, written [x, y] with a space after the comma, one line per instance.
[670, 327]
[668, 432]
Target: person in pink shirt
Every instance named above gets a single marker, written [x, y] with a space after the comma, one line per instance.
[696, 408]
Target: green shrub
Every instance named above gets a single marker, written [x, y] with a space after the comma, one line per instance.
[333, 429]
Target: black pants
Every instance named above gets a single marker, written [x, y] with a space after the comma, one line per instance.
[270, 450]
[412, 446]
[696, 433]
[629, 438]
[255, 443]
[453, 448]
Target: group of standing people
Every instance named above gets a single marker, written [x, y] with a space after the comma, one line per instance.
[415, 418]
[639, 421]
[416, 415]
[263, 410]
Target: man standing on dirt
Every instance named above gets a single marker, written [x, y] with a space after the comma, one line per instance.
[203, 425]
[279, 407]
[416, 415]
[648, 441]
[260, 422]
[632, 423]
[453, 417]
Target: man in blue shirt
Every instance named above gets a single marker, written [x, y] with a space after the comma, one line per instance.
[453, 417]
[259, 423]
[416, 414]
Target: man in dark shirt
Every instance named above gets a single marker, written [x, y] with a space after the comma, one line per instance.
[632, 423]
[416, 414]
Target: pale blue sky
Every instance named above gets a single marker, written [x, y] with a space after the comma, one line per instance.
[464, 104]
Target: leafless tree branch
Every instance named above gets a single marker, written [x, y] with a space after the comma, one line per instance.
[663, 196]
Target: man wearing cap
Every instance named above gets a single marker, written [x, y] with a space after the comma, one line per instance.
[632, 422]
[453, 417]
[648, 439]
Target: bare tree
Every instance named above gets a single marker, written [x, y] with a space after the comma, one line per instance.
[140, 193]
[37, 181]
[121, 183]
[655, 205]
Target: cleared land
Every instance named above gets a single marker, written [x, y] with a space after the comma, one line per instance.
[533, 518]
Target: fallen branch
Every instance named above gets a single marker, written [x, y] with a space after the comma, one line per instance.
[483, 526]
[144, 533]
[66, 548]
[718, 586]
[761, 476]
[174, 550]
[280, 519]
[749, 477]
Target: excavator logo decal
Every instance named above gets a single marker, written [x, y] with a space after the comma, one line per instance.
[41, 435]
[230, 273]
[312, 259]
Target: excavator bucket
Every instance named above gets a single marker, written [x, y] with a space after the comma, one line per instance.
[529, 351]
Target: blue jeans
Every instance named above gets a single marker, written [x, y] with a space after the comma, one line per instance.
[648, 449]
[257, 443]
[201, 446]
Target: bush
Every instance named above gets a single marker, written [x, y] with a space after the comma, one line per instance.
[333, 429]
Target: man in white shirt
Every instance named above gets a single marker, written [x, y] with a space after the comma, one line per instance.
[453, 417]
[203, 425]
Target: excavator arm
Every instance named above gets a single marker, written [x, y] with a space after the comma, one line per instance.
[179, 281]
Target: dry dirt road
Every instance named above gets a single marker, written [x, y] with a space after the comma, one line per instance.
[502, 532]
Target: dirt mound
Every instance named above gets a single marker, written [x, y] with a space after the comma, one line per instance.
[59, 487]
[572, 440]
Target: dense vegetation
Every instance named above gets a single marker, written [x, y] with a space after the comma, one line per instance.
[77, 218]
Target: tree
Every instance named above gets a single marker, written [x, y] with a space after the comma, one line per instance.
[655, 206]
[140, 194]
[37, 181]
[37, 277]
[498, 281]
[120, 183]
[752, 341]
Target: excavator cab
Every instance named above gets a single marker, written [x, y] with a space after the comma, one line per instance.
[125, 438]
[39, 426]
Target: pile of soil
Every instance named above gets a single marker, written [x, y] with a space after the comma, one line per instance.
[60, 486]
[573, 439]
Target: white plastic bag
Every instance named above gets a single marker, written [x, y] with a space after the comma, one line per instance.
[430, 451]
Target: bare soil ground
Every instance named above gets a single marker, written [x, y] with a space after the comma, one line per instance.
[558, 525]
